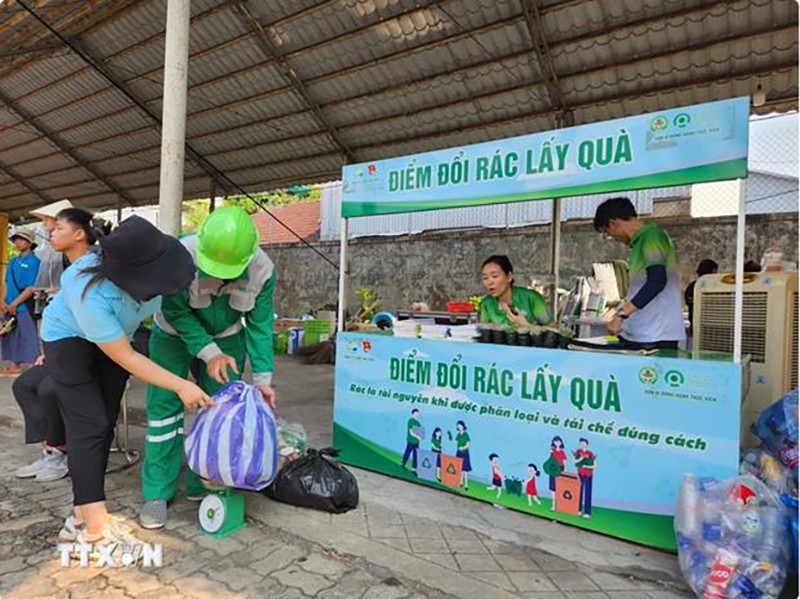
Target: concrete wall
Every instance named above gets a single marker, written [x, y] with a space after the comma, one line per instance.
[436, 267]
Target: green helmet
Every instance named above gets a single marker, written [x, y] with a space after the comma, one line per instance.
[226, 242]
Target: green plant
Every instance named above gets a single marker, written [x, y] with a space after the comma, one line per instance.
[370, 302]
[476, 300]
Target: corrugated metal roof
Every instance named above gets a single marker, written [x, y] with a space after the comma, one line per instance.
[367, 79]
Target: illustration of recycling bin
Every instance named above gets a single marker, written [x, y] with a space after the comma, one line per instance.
[426, 465]
[568, 494]
[451, 471]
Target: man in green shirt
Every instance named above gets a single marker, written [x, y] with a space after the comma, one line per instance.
[414, 435]
[651, 316]
[225, 316]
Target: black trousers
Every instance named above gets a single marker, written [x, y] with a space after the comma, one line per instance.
[89, 386]
[36, 395]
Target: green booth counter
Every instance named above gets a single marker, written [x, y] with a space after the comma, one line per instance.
[597, 440]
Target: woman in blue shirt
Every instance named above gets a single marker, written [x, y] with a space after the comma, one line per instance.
[86, 332]
[21, 345]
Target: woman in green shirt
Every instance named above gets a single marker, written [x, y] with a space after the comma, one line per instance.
[462, 451]
[506, 304]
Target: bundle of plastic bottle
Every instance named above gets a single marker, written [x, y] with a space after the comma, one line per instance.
[769, 470]
[733, 538]
[778, 430]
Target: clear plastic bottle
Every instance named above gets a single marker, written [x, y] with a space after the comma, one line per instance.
[688, 515]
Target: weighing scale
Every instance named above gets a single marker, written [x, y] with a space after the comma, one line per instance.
[221, 512]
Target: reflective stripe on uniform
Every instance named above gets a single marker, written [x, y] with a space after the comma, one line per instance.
[164, 437]
[165, 421]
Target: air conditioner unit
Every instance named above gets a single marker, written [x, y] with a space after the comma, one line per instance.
[769, 333]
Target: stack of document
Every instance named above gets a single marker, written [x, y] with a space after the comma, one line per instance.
[464, 332]
[429, 330]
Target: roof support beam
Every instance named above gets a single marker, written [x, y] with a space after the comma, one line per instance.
[535, 25]
[10, 172]
[198, 87]
[122, 87]
[298, 85]
[66, 148]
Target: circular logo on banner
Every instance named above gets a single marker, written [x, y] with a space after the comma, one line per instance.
[674, 378]
[659, 123]
[682, 120]
[648, 375]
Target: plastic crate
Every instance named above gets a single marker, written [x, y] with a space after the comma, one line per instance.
[316, 331]
[460, 307]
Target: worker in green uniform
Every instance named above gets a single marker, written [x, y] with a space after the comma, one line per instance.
[506, 303]
[225, 316]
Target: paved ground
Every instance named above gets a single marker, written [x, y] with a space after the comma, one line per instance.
[404, 541]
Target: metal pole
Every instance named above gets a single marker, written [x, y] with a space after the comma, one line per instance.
[173, 132]
[555, 252]
[119, 213]
[342, 274]
[738, 303]
[212, 196]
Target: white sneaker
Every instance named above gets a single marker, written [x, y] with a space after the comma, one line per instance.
[113, 533]
[54, 467]
[69, 532]
[34, 467]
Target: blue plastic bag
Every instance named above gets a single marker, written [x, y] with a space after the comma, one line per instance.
[235, 443]
[777, 428]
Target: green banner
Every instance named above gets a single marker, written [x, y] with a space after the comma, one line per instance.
[697, 144]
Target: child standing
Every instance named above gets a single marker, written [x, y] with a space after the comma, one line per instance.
[530, 485]
[497, 476]
[21, 345]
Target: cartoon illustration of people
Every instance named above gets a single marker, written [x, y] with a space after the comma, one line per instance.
[497, 476]
[554, 465]
[462, 451]
[414, 434]
[585, 462]
[436, 447]
[530, 485]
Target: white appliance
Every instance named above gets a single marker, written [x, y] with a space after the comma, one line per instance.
[769, 333]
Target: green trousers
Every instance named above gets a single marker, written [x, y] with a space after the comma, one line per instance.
[163, 448]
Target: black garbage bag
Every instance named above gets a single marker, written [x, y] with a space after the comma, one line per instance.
[316, 481]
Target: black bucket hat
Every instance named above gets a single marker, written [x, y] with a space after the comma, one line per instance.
[144, 262]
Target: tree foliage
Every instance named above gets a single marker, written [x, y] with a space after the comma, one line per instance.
[194, 211]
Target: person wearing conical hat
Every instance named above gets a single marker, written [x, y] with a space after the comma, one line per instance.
[225, 316]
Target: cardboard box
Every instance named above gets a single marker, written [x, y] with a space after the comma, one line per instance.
[284, 324]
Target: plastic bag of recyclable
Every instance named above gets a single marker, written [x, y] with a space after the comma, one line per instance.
[733, 538]
[791, 503]
[235, 442]
[291, 442]
[316, 481]
[777, 428]
[766, 468]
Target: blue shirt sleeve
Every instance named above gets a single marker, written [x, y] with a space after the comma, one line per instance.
[656, 283]
[93, 313]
